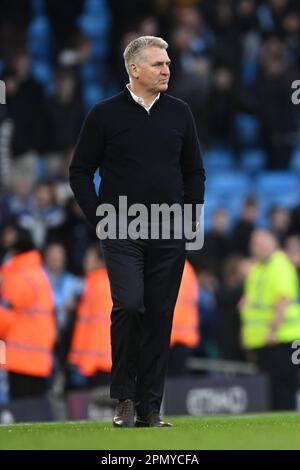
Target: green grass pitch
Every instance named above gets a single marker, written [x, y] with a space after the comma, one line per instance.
[266, 431]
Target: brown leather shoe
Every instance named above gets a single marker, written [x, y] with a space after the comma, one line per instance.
[124, 414]
[152, 420]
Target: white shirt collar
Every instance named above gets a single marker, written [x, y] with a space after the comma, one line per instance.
[140, 100]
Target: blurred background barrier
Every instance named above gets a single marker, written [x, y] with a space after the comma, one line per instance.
[232, 396]
[193, 397]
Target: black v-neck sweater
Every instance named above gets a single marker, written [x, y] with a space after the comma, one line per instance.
[148, 157]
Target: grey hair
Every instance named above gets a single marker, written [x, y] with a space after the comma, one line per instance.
[135, 47]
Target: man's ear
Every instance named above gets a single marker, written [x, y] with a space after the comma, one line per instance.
[134, 70]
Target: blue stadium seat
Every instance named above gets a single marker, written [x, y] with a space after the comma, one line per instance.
[209, 210]
[295, 163]
[100, 49]
[278, 182]
[248, 130]
[89, 72]
[43, 73]
[92, 93]
[253, 161]
[39, 28]
[218, 159]
[39, 38]
[249, 72]
[37, 7]
[97, 181]
[227, 184]
[94, 6]
[94, 26]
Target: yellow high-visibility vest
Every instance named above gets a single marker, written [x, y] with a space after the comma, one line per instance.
[267, 283]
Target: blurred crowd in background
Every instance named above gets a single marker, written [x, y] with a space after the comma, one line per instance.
[233, 61]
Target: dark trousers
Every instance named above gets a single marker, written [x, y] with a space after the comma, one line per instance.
[276, 361]
[145, 277]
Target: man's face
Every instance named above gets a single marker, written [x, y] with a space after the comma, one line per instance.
[262, 245]
[153, 70]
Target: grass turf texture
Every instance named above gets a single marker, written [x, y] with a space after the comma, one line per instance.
[268, 431]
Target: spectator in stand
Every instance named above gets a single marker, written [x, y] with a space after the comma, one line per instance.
[280, 223]
[221, 109]
[75, 235]
[277, 11]
[291, 31]
[24, 108]
[66, 287]
[207, 307]
[270, 315]
[227, 50]
[185, 330]
[228, 295]
[90, 353]
[27, 322]
[63, 20]
[64, 115]
[292, 250]
[217, 244]
[8, 237]
[275, 107]
[14, 21]
[240, 236]
[45, 216]
[16, 201]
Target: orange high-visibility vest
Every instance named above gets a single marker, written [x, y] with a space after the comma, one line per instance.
[90, 349]
[27, 323]
[185, 323]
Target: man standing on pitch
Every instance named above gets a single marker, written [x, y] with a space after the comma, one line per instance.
[145, 145]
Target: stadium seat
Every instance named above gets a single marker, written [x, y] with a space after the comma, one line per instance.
[43, 73]
[249, 72]
[89, 72]
[100, 48]
[226, 184]
[218, 159]
[94, 25]
[295, 163]
[247, 129]
[37, 7]
[97, 181]
[39, 38]
[278, 182]
[39, 28]
[93, 7]
[253, 161]
[91, 95]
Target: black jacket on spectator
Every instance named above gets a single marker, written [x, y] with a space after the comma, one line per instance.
[26, 111]
[63, 123]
